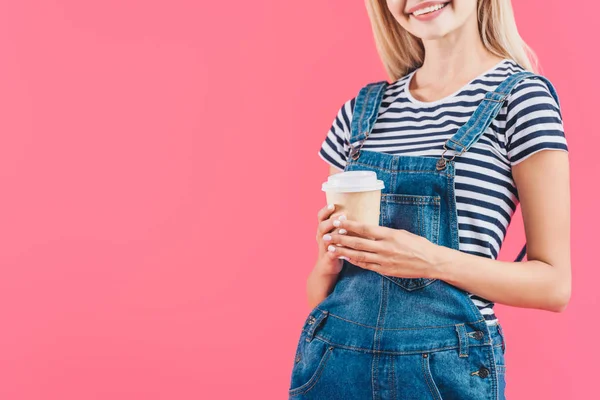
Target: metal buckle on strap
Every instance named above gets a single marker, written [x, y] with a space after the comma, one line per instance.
[355, 153]
[441, 164]
[497, 97]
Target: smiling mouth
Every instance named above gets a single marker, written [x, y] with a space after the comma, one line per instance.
[430, 9]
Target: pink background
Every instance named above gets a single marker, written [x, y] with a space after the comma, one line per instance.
[160, 183]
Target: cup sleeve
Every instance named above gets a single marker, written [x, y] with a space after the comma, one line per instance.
[533, 122]
[335, 148]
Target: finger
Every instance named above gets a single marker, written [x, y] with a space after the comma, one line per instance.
[333, 256]
[325, 212]
[369, 266]
[327, 225]
[354, 242]
[324, 228]
[323, 242]
[375, 232]
[360, 256]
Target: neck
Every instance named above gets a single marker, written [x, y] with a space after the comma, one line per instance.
[458, 56]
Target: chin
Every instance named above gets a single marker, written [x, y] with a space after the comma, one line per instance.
[432, 34]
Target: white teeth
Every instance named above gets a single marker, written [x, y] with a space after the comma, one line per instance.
[429, 9]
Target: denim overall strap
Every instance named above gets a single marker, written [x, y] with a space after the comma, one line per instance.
[485, 113]
[483, 116]
[364, 114]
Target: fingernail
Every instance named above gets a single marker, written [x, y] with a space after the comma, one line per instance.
[343, 258]
[342, 231]
[330, 206]
[336, 223]
[342, 217]
[327, 237]
[331, 248]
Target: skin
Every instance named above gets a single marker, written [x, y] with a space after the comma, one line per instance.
[454, 56]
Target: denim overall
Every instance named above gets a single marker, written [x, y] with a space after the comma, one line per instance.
[384, 337]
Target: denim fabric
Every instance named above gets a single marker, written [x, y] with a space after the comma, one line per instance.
[384, 337]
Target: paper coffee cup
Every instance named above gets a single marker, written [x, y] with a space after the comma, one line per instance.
[357, 194]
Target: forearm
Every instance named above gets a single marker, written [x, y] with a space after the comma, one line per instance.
[530, 284]
[319, 285]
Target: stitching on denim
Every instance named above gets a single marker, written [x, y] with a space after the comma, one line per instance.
[377, 337]
[373, 380]
[399, 281]
[500, 370]
[384, 214]
[489, 355]
[389, 377]
[315, 378]
[386, 288]
[397, 329]
[470, 128]
[461, 344]
[436, 224]
[423, 359]
[429, 378]
[393, 380]
[362, 112]
[490, 117]
[497, 101]
[398, 353]
[425, 171]
[420, 220]
[411, 198]
[395, 162]
[408, 202]
[449, 199]
[364, 109]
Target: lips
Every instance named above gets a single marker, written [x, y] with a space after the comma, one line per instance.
[427, 7]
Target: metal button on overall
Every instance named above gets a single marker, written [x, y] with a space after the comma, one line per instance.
[484, 372]
[478, 335]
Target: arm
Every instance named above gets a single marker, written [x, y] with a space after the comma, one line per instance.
[324, 275]
[544, 281]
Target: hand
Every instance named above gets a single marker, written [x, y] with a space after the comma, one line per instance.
[393, 252]
[328, 262]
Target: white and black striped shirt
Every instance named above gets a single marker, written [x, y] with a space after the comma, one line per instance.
[486, 194]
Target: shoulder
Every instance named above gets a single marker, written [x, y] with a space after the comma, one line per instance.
[532, 101]
[532, 90]
[534, 87]
[346, 109]
[344, 115]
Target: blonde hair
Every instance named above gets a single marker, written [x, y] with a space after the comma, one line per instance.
[402, 52]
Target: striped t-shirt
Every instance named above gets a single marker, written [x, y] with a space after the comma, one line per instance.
[486, 194]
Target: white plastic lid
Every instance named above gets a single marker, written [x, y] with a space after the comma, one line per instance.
[353, 181]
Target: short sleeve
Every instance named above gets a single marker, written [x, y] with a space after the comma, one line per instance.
[533, 121]
[336, 145]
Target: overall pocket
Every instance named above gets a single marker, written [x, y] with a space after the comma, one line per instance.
[311, 357]
[450, 376]
[416, 214]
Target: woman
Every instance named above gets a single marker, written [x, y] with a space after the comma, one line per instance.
[404, 310]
